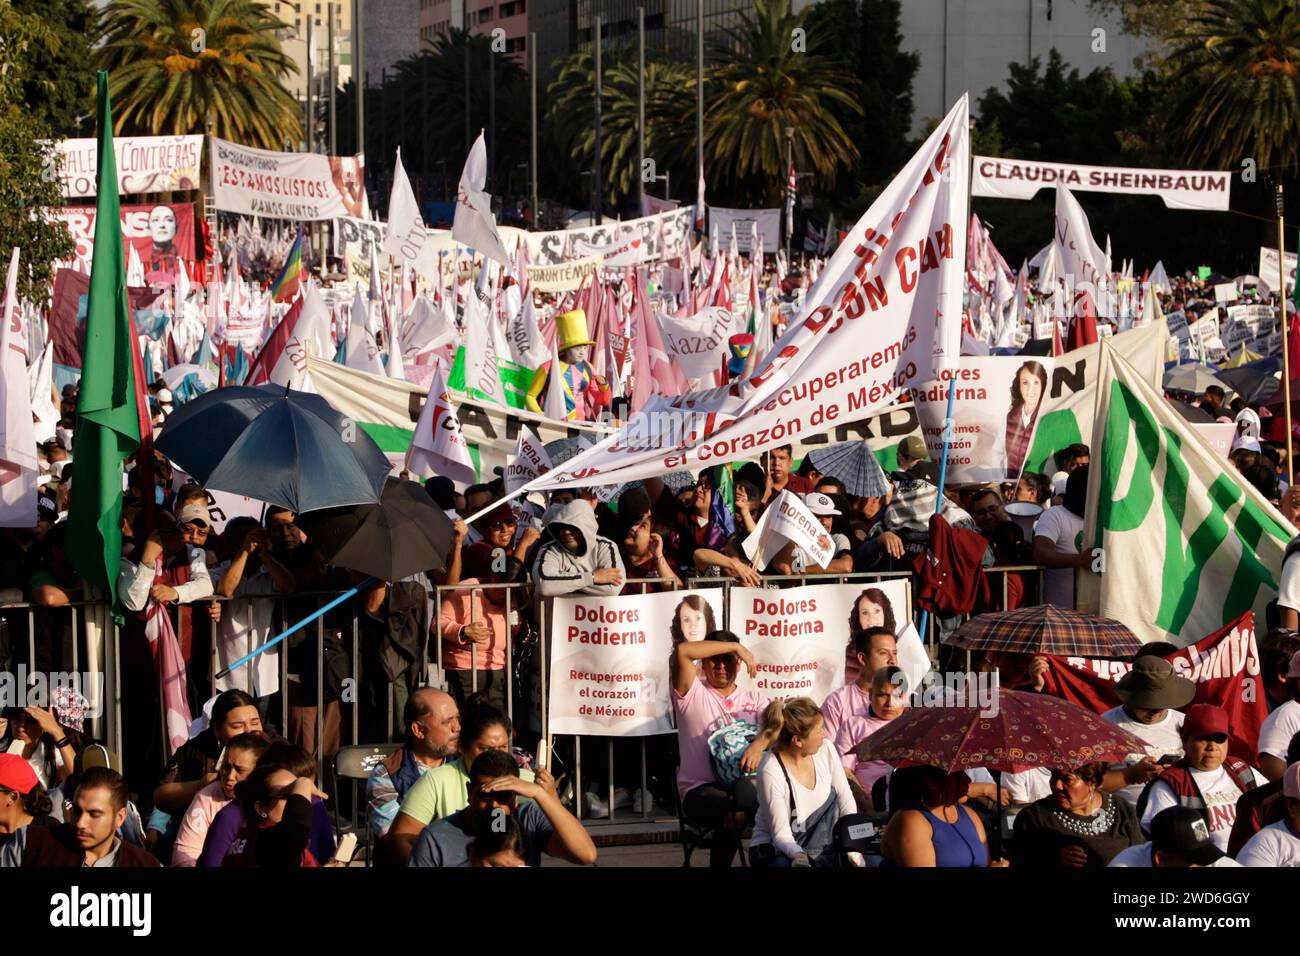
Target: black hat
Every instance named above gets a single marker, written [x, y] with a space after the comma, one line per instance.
[1183, 830]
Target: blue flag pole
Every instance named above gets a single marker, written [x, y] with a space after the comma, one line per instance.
[296, 628]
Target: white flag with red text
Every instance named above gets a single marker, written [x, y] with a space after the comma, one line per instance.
[788, 519]
[437, 445]
[884, 316]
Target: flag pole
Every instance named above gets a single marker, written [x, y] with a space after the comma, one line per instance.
[1286, 333]
[295, 628]
[952, 382]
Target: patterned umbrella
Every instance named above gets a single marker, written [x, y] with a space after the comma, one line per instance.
[1044, 629]
[1191, 377]
[1027, 730]
[853, 463]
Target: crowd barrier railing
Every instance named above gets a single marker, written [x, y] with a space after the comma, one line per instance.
[95, 643]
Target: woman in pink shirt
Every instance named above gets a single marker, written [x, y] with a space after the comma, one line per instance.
[705, 698]
[237, 762]
[476, 635]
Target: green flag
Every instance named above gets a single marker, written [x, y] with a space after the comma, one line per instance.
[108, 424]
[1184, 546]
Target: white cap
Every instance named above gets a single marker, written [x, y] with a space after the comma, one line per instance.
[820, 504]
[164, 396]
[1058, 482]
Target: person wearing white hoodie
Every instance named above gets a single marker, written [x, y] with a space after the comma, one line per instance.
[574, 558]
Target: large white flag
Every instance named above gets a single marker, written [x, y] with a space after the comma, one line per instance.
[361, 349]
[1081, 261]
[481, 371]
[884, 316]
[311, 333]
[18, 467]
[1181, 546]
[424, 329]
[556, 407]
[437, 445]
[406, 229]
[40, 377]
[474, 224]
[788, 519]
[527, 345]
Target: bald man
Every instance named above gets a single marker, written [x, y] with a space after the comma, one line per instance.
[432, 738]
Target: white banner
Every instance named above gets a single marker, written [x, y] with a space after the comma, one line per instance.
[1268, 269]
[664, 236]
[145, 164]
[1207, 330]
[1218, 435]
[1023, 178]
[1259, 319]
[353, 240]
[698, 343]
[609, 660]
[799, 636]
[996, 397]
[894, 287]
[303, 186]
[767, 220]
[563, 276]
[1225, 292]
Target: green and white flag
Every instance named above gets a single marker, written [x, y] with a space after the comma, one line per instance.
[1186, 547]
[1066, 415]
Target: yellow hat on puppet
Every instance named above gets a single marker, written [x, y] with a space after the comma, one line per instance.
[571, 327]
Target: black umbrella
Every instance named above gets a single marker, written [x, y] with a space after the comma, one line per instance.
[1192, 413]
[288, 448]
[403, 534]
[1254, 387]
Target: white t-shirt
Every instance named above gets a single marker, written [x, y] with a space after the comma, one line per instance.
[1162, 738]
[772, 823]
[1275, 845]
[1141, 855]
[1062, 527]
[1028, 786]
[1278, 728]
[1220, 795]
[1288, 592]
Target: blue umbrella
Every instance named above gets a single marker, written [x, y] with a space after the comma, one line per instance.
[276, 445]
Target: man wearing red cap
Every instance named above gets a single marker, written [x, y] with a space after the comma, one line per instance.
[23, 801]
[1206, 779]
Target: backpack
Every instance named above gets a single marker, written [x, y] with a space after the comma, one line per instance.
[727, 745]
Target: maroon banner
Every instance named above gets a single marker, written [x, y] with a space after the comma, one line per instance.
[67, 318]
[163, 236]
[1224, 666]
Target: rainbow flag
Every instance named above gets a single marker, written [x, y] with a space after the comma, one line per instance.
[285, 286]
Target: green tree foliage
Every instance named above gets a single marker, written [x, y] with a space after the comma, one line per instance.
[176, 65]
[28, 175]
[58, 88]
[1240, 63]
[777, 70]
[669, 111]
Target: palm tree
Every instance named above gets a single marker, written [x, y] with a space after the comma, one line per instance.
[763, 83]
[176, 65]
[571, 111]
[1239, 61]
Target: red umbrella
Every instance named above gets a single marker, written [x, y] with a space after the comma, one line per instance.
[1027, 730]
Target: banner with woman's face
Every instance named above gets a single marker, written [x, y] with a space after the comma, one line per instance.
[800, 636]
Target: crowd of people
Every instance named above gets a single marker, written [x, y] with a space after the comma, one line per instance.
[472, 781]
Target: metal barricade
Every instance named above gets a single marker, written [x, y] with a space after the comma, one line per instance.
[92, 641]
